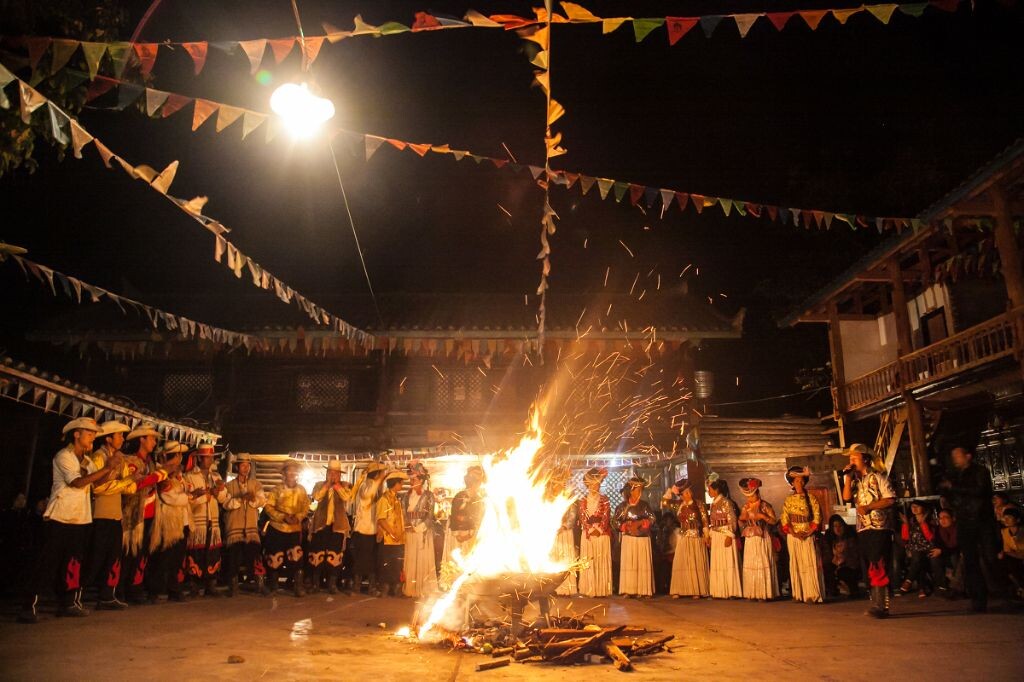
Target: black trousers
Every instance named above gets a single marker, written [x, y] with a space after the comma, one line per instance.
[918, 564]
[243, 554]
[876, 549]
[133, 566]
[166, 570]
[105, 557]
[364, 555]
[970, 539]
[59, 564]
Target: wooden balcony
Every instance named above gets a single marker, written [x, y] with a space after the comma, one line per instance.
[988, 342]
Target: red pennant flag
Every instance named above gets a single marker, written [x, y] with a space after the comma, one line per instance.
[311, 48]
[679, 27]
[36, 49]
[281, 48]
[498, 163]
[398, 144]
[99, 87]
[425, 22]
[681, 198]
[635, 192]
[698, 201]
[204, 108]
[754, 209]
[773, 213]
[571, 179]
[779, 19]
[813, 17]
[173, 103]
[198, 52]
[146, 52]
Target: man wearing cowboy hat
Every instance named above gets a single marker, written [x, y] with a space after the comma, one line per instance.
[391, 535]
[170, 523]
[287, 507]
[595, 516]
[466, 515]
[139, 510]
[207, 492]
[634, 519]
[330, 527]
[364, 535]
[67, 521]
[873, 495]
[107, 535]
[241, 525]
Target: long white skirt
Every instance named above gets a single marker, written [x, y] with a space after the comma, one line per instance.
[690, 568]
[636, 570]
[450, 544]
[596, 577]
[805, 572]
[725, 568]
[420, 572]
[760, 579]
[565, 550]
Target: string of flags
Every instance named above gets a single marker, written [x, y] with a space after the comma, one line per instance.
[67, 131]
[160, 104]
[141, 57]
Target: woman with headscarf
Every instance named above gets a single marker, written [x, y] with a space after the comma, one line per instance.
[420, 571]
[690, 563]
[724, 580]
[594, 512]
[801, 519]
[634, 519]
[760, 577]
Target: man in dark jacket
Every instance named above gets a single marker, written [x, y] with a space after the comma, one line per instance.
[969, 489]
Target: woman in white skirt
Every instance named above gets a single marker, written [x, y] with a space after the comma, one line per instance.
[760, 577]
[690, 563]
[634, 519]
[420, 572]
[724, 581]
[565, 542]
[801, 519]
[595, 519]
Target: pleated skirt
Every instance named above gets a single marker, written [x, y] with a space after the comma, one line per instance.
[690, 568]
[760, 578]
[565, 551]
[805, 571]
[636, 570]
[596, 577]
[420, 572]
[724, 581]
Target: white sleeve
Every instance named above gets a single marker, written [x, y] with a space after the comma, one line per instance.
[66, 464]
[884, 487]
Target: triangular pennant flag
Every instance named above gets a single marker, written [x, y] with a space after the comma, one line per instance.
[61, 53]
[36, 49]
[681, 199]
[51, 400]
[198, 52]
[173, 103]
[570, 179]
[603, 186]
[425, 22]
[204, 108]
[620, 189]
[610, 25]
[79, 138]
[420, 149]
[710, 22]
[99, 87]
[311, 49]
[643, 27]
[635, 192]
[828, 220]
[914, 10]
[945, 5]
[362, 28]
[679, 27]
[64, 404]
[127, 94]
[586, 182]
[105, 153]
[666, 199]
[119, 53]
[779, 19]
[650, 195]
[154, 99]
[540, 60]
[477, 19]
[371, 144]
[882, 12]
[30, 101]
[773, 213]
[698, 201]
[578, 14]
[251, 121]
[459, 154]
[744, 22]
[390, 28]
[58, 121]
[540, 35]
[281, 48]
[227, 115]
[146, 52]
[726, 205]
[843, 15]
[813, 17]
[535, 171]
[254, 50]
[543, 79]
[93, 53]
[741, 207]
[555, 111]
[162, 182]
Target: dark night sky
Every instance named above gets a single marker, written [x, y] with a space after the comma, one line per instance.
[867, 118]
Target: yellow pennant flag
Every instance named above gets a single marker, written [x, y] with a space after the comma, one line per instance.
[882, 12]
[251, 121]
[79, 138]
[540, 60]
[543, 79]
[555, 111]
[842, 15]
[93, 54]
[227, 115]
[162, 182]
[477, 19]
[362, 28]
[744, 22]
[578, 14]
[541, 36]
[254, 50]
[609, 25]
[30, 101]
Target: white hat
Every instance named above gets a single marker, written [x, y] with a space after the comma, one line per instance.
[85, 423]
[396, 474]
[243, 457]
[111, 427]
[333, 465]
[143, 429]
[173, 447]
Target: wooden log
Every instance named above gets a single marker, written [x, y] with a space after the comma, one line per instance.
[503, 651]
[491, 665]
[644, 648]
[563, 633]
[523, 654]
[619, 659]
[591, 644]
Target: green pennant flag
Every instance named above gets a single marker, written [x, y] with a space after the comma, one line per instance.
[93, 54]
[642, 27]
[603, 185]
[726, 205]
[741, 208]
[119, 55]
[393, 27]
[620, 190]
[915, 10]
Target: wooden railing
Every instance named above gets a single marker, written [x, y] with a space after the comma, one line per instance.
[989, 341]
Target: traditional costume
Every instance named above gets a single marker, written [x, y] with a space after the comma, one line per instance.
[207, 491]
[329, 530]
[690, 562]
[364, 532]
[167, 543]
[760, 574]
[724, 580]
[420, 571]
[391, 535]
[596, 538]
[565, 541]
[466, 516]
[287, 506]
[874, 530]
[800, 521]
[241, 528]
[138, 513]
[633, 519]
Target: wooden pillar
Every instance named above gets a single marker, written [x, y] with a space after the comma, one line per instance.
[1009, 252]
[835, 347]
[904, 337]
[918, 445]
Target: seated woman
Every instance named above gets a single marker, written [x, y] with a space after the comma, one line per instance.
[918, 534]
[840, 558]
[1012, 556]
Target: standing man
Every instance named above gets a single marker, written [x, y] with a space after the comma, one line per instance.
[287, 506]
[969, 490]
[241, 525]
[328, 532]
[364, 536]
[873, 496]
[166, 569]
[139, 510]
[467, 514]
[67, 521]
[206, 492]
[391, 535]
[107, 535]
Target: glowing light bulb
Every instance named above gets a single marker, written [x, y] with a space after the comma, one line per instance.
[301, 111]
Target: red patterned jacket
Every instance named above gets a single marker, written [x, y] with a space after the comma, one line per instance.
[601, 521]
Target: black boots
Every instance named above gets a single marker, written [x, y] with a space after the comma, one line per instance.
[299, 585]
[232, 586]
[271, 582]
[879, 602]
[332, 580]
[315, 574]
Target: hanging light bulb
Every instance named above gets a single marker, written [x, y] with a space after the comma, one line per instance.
[301, 111]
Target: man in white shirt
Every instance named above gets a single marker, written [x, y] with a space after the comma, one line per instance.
[67, 521]
[364, 535]
[873, 496]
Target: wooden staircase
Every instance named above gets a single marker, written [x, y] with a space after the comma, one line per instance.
[891, 427]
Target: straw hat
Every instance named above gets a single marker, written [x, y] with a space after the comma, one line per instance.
[333, 465]
[143, 429]
[84, 423]
[794, 472]
[205, 450]
[595, 474]
[374, 467]
[401, 475]
[111, 427]
[287, 464]
[243, 457]
[749, 486]
[173, 447]
[637, 482]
